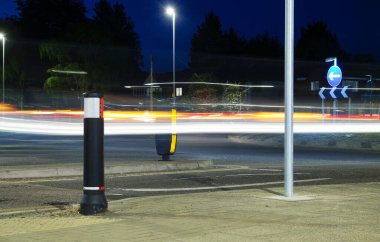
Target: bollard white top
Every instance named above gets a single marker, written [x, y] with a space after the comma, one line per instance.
[92, 108]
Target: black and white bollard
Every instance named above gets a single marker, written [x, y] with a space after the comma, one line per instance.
[93, 200]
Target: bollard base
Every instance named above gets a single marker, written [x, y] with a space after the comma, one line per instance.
[165, 157]
[93, 204]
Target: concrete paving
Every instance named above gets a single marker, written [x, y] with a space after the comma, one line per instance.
[343, 212]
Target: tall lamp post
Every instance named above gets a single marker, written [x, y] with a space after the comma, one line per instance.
[171, 12]
[289, 95]
[2, 36]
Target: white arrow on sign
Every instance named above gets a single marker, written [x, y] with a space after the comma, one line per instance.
[344, 94]
[332, 76]
[332, 92]
[321, 93]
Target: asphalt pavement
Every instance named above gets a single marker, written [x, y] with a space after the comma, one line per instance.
[26, 149]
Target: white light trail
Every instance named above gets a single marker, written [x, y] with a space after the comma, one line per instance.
[187, 127]
[211, 83]
[69, 72]
[150, 86]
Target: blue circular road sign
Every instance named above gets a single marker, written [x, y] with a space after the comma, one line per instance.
[334, 76]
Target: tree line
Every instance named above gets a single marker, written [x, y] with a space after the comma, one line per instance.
[316, 42]
[54, 39]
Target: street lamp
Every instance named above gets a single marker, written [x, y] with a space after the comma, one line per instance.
[2, 36]
[171, 12]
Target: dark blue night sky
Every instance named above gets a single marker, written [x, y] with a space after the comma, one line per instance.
[354, 22]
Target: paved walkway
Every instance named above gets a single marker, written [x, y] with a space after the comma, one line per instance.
[344, 212]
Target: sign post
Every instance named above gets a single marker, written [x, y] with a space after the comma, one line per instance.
[334, 78]
[349, 107]
[335, 105]
[323, 100]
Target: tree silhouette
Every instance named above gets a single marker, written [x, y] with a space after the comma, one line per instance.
[208, 38]
[317, 42]
[233, 44]
[121, 54]
[206, 41]
[265, 46]
[46, 19]
[106, 47]
[39, 21]
[213, 50]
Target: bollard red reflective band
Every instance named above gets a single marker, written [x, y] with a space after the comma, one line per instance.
[101, 107]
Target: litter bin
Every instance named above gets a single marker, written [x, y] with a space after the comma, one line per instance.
[166, 143]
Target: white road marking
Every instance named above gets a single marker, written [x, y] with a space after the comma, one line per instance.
[262, 174]
[214, 187]
[236, 175]
[203, 177]
[262, 169]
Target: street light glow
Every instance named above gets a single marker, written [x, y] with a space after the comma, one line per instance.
[2, 36]
[170, 11]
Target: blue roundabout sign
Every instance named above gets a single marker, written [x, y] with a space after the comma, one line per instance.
[334, 76]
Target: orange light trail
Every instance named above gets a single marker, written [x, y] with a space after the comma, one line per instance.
[6, 107]
[157, 116]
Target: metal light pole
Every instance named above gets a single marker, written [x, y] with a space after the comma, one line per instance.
[2, 36]
[171, 12]
[370, 85]
[289, 92]
[151, 84]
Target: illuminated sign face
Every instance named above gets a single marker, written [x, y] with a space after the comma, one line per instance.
[334, 76]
